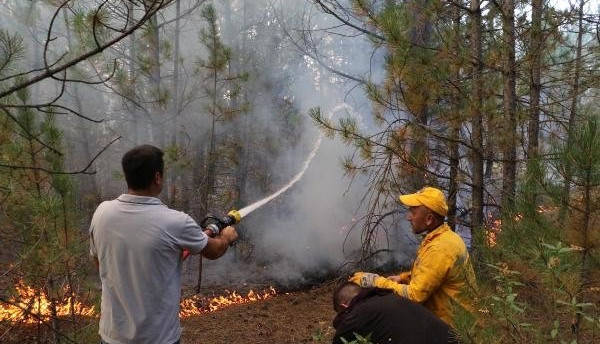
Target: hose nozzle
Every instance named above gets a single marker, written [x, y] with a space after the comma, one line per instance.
[235, 216]
[215, 224]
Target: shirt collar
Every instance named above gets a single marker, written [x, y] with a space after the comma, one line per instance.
[441, 229]
[145, 200]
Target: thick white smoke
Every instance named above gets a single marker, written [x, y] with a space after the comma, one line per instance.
[303, 234]
[300, 235]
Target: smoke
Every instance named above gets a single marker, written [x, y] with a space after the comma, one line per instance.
[303, 234]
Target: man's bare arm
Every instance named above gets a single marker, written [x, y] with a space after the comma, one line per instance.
[216, 247]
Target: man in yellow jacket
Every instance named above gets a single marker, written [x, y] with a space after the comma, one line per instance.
[442, 274]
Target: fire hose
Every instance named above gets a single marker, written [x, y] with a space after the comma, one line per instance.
[213, 225]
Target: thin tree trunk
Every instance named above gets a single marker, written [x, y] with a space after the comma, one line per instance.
[49, 286]
[455, 123]
[583, 272]
[420, 33]
[245, 129]
[130, 62]
[70, 290]
[509, 164]
[199, 282]
[53, 312]
[476, 116]
[573, 111]
[156, 117]
[172, 178]
[211, 160]
[89, 184]
[535, 87]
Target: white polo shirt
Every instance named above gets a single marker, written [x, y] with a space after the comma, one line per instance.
[138, 242]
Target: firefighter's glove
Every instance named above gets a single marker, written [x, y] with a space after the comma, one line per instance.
[364, 279]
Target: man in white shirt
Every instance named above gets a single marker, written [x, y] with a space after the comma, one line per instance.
[137, 243]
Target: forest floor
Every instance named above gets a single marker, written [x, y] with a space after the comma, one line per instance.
[303, 316]
[296, 317]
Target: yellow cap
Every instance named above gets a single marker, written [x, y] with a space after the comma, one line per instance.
[431, 198]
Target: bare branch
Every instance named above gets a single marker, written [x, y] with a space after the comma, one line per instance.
[49, 72]
[328, 10]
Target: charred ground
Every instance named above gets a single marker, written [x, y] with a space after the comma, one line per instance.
[293, 317]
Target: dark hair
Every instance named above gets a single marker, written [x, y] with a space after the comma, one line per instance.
[140, 164]
[439, 218]
[344, 293]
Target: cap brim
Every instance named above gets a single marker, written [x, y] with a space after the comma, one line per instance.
[411, 200]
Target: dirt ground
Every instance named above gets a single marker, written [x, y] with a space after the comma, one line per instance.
[298, 317]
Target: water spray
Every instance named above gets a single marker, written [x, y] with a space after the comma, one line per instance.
[213, 225]
[252, 207]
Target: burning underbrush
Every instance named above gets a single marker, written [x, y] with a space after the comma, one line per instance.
[198, 304]
[30, 306]
[262, 315]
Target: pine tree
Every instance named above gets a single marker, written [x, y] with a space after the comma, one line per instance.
[221, 89]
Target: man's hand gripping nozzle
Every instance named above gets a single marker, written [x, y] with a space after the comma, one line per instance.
[213, 225]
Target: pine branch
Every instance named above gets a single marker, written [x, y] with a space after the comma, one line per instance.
[100, 47]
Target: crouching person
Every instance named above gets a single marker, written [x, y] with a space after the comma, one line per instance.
[385, 317]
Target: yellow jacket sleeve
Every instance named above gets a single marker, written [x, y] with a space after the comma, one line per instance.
[385, 283]
[427, 275]
[404, 277]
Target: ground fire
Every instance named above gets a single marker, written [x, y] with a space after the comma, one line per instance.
[198, 304]
[31, 306]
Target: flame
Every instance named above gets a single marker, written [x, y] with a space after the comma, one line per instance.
[197, 304]
[492, 231]
[31, 306]
[494, 227]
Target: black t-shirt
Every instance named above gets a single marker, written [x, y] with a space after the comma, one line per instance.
[390, 319]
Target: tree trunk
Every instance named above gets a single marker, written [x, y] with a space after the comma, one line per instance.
[131, 78]
[476, 116]
[420, 33]
[156, 131]
[89, 185]
[244, 138]
[509, 164]
[455, 124]
[175, 110]
[566, 194]
[211, 161]
[535, 54]
[211, 157]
